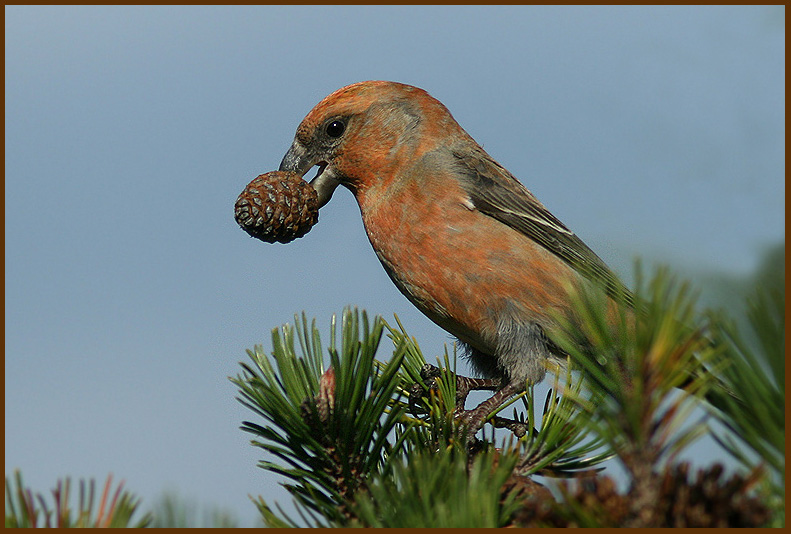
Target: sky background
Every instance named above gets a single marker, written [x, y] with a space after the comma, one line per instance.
[131, 293]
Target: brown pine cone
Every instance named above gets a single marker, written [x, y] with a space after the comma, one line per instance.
[711, 500]
[277, 207]
[707, 501]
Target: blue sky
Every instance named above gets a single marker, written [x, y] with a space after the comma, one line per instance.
[131, 294]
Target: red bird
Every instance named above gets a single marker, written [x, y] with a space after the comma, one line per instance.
[460, 237]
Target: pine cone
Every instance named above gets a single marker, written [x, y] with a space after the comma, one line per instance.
[598, 496]
[705, 502]
[710, 501]
[277, 207]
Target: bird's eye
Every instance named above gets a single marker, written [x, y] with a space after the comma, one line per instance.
[335, 128]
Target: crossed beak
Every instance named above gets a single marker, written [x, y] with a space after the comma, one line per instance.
[299, 160]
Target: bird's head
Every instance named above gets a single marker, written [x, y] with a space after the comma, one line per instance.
[358, 135]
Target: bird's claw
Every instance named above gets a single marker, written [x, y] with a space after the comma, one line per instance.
[464, 385]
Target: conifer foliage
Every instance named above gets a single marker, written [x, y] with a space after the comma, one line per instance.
[356, 447]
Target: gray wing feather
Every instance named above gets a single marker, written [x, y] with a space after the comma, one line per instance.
[495, 192]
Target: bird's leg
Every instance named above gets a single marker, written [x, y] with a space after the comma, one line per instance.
[475, 418]
[465, 384]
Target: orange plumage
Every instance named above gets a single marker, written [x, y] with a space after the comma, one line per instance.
[461, 238]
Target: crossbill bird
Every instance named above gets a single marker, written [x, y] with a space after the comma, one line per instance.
[468, 244]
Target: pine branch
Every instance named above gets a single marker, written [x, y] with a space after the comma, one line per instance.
[370, 443]
[328, 424]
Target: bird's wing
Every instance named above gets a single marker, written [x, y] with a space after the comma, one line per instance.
[495, 192]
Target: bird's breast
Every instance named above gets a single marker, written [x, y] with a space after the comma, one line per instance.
[458, 266]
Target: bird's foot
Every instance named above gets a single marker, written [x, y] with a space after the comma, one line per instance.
[474, 419]
[519, 428]
[464, 385]
[426, 388]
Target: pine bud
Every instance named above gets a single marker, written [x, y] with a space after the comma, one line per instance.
[277, 207]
